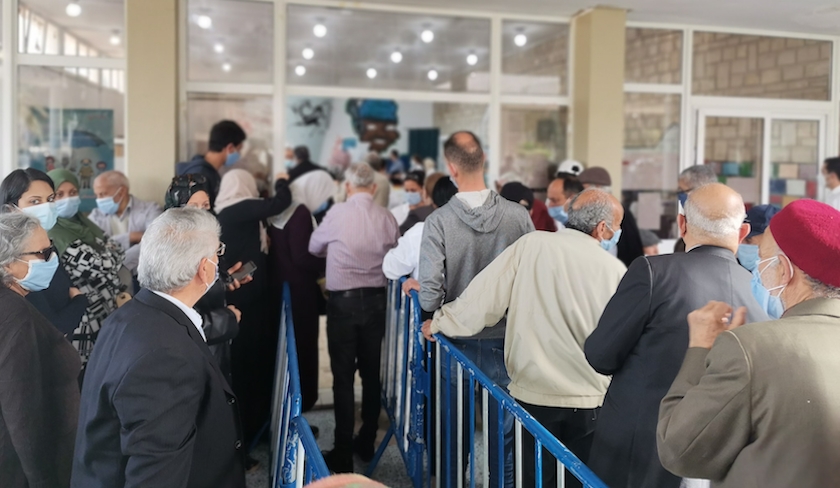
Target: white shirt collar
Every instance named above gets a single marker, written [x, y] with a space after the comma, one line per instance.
[191, 314]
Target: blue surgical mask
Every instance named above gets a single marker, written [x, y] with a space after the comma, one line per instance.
[608, 245]
[559, 214]
[232, 158]
[40, 274]
[770, 304]
[109, 205]
[45, 213]
[289, 163]
[413, 198]
[748, 256]
[682, 197]
[774, 304]
[68, 207]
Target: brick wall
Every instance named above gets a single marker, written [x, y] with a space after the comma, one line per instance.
[653, 56]
[794, 141]
[766, 67]
[734, 139]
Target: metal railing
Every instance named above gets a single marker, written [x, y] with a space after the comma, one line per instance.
[295, 457]
[419, 379]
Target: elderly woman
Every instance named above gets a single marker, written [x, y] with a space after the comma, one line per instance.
[39, 370]
[92, 260]
[242, 214]
[32, 192]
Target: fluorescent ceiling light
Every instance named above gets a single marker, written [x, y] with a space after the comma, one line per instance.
[300, 70]
[433, 75]
[73, 9]
[472, 59]
[520, 40]
[219, 47]
[396, 56]
[320, 30]
[371, 73]
[204, 21]
[308, 53]
[427, 36]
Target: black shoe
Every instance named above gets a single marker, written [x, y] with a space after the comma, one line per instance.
[315, 431]
[339, 461]
[251, 464]
[363, 449]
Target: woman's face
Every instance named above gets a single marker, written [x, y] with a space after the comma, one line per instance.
[200, 199]
[39, 192]
[38, 241]
[66, 190]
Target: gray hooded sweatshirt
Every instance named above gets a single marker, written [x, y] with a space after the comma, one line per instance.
[459, 242]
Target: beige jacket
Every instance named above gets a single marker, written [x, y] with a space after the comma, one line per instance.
[554, 287]
[762, 407]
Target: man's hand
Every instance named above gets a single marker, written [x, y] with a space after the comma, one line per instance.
[427, 331]
[411, 284]
[74, 292]
[135, 237]
[236, 312]
[707, 323]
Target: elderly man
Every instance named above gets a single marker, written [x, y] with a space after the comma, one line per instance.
[642, 336]
[120, 215]
[759, 218]
[550, 313]
[756, 405]
[156, 408]
[354, 237]
[690, 179]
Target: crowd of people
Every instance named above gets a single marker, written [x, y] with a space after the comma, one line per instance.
[138, 343]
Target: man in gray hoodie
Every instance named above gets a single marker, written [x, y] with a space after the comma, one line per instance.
[459, 240]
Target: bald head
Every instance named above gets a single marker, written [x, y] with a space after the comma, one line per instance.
[595, 213]
[463, 150]
[714, 215]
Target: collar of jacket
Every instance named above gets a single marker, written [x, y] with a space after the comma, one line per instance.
[829, 307]
[715, 251]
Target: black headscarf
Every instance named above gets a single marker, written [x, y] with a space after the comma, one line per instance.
[183, 188]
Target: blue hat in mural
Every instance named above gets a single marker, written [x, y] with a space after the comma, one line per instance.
[374, 121]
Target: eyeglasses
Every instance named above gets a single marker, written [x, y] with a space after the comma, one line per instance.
[221, 250]
[44, 254]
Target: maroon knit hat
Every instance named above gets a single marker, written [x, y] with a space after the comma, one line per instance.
[808, 232]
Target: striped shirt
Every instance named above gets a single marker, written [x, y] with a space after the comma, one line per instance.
[355, 236]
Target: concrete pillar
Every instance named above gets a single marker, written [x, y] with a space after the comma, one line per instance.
[598, 90]
[152, 95]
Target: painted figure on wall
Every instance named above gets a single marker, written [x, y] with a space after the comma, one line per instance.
[312, 115]
[374, 121]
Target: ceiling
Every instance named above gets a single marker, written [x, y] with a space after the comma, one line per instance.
[96, 24]
[802, 16]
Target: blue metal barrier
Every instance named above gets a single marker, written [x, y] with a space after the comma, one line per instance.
[295, 457]
[421, 417]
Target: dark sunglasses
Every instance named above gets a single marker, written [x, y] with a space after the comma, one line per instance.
[44, 254]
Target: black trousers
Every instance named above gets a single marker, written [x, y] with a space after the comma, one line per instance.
[355, 329]
[574, 427]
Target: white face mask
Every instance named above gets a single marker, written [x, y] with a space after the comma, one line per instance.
[215, 279]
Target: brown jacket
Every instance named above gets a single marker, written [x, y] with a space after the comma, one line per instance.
[762, 407]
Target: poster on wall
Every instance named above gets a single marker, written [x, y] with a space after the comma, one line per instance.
[79, 140]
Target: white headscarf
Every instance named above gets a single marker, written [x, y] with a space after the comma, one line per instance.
[237, 186]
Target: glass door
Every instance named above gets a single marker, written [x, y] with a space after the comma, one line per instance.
[734, 147]
[794, 160]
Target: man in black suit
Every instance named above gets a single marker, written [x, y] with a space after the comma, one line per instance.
[642, 336]
[156, 410]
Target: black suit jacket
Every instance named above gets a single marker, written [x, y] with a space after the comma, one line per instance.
[641, 341]
[156, 410]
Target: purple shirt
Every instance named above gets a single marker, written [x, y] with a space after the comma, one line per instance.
[355, 236]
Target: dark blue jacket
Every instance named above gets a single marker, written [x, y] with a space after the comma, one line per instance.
[199, 166]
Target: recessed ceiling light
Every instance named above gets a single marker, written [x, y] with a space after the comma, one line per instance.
[520, 40]
[73, 9]
[300, 70]
[396, 56]
[204, 21]
[427, 36]
[219, 47]
[472, 59]
[371, 73]
[308, 53]
[320, 30]
[226, 67]
[115, 39]
[433, 75]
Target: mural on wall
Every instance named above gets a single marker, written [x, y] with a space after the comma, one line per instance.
[81, 141]
[374, 121]
[313, 113]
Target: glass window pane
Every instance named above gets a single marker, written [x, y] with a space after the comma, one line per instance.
[69, 45]
[762, 67]
[794, 158]
[535, 58]
[254, 113]
[734, 148]
[98, 25]
[651, 159]
[533, 144]
[389, 50]
[653, 56]
[230, 41]
[65, 121]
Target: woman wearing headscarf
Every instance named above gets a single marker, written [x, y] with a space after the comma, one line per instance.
[91, 259]
[242, 215]
[32, 191]
[39, 370]
[290, 262]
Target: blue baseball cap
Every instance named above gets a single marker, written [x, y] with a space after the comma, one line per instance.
[759, 218]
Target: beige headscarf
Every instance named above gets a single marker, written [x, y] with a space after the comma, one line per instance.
[237, 186]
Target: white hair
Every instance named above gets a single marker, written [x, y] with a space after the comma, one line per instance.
[16, 229]
[586, 216]
[173, 247]
[718, 227]
[359, 175]
[114, 179]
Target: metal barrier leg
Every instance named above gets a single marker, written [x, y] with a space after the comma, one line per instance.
[379, 452]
